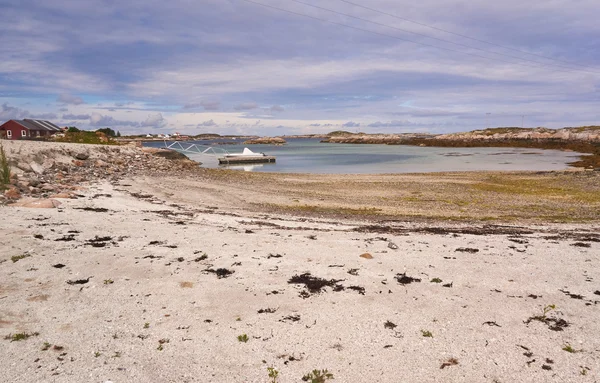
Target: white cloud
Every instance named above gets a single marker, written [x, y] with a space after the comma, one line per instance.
[76, 116]
[66, 98]
[154, 121]
[208, 123]
[246, 106]
[98, 120]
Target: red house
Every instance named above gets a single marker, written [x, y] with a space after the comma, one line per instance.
[24, 129]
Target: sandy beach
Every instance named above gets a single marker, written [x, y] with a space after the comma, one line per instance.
[216, 276]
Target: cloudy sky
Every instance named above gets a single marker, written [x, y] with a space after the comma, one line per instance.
[300, 66]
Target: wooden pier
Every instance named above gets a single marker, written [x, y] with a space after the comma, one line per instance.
[232, 160]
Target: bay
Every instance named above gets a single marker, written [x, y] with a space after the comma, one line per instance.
[302, 155]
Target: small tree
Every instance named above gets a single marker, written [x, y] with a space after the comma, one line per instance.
[72, 129]
[108, 131]
[118, 134]
[4, 169]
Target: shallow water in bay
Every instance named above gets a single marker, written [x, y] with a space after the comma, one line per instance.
[312, 156]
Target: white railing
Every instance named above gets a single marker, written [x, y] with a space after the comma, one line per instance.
[195, 148]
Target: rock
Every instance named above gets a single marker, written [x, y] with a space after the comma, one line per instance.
[38, 203]
[12, 193]
[48, 187]
[48, 164]
[63, 195]
[34, 182]
[100, 164]
[266, 140]
[366, 256]
[82, 156]
[392, 246]
[37, 168]
[78, 163]
[24, 167]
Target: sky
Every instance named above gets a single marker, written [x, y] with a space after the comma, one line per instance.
[300, 66]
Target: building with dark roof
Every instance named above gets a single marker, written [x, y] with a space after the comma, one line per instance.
[27, 128]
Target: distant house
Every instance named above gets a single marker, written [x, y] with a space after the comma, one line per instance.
[27, 128]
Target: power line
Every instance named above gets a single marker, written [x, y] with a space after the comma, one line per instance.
[396, 37]
[461, 35]
[436, 38]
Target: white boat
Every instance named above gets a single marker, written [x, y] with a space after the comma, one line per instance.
[246, 156]
[246, 153]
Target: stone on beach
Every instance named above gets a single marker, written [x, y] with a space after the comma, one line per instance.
[45, 203]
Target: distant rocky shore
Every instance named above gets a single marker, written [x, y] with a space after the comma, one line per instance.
[582, 140]
[44, 171]
[266, 141]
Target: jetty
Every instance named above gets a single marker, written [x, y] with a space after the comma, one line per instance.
[246, 157]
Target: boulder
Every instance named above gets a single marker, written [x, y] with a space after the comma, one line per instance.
[44, 203]
[12, 193]
[24, 167]
[82, 156]
[37, 168]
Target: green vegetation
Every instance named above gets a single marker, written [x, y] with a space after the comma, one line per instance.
[273, 373]
[426, 333]
[570, 349]
[16, 258]
[20, 336]
[84, 137]
[492, 131]
[108, 281]
[317, 376]
[4, 169]
[547, 309]
[331, 209]
[436, 280]
[542, 188]
[97, 354]
[146, 325]
[46, 346]
[109, 132]
[339, 133]
[242, 338]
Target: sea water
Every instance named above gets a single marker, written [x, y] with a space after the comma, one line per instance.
[312, 156]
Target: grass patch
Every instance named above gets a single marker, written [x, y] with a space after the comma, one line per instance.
[568, 348]
[83, 137]
[16, 258]
[4, 169]
[331, 209]
[20, 336]
[317, 376]
[427, 333]
[243, 338]
[542, 188]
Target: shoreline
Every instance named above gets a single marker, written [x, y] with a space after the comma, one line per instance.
[122, 283]
[142, 276]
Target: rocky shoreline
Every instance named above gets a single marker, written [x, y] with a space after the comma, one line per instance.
[43, 172]
[266, 141]
[583, 140]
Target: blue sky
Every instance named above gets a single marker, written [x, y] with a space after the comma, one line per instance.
[234, 67]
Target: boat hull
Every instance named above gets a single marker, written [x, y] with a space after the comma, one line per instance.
[246, 160]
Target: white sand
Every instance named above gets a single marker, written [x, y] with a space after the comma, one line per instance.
[340, 331]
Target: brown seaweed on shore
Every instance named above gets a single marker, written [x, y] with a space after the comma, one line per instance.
[315, 285]
[220, 272]
[403, 279]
